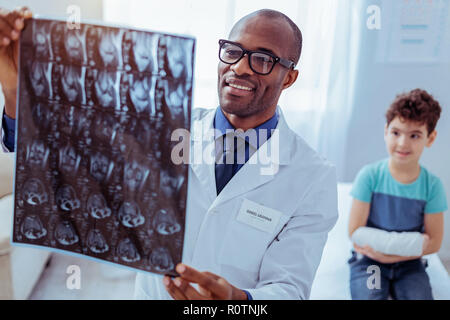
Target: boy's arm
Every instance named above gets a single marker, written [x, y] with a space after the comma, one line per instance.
[359, 213]
[381, 257]
[434, 228]
[434, 232]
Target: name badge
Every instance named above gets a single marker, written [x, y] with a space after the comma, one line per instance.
[258, 216]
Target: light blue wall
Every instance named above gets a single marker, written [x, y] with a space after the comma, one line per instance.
[377, 85]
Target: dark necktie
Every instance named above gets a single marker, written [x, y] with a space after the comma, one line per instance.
[229, 166]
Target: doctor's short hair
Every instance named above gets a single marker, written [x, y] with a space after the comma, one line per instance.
[296, 48]
[417, 106]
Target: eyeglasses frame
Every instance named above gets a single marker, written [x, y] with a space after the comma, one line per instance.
[284, 62]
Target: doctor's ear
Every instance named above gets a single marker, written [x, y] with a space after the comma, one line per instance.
[290, 78]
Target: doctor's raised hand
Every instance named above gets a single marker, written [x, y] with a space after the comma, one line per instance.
[211, 286]
[11, 24]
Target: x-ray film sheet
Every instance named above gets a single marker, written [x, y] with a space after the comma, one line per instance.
[94, 175]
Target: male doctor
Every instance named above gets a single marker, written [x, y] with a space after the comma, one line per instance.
[256, 233]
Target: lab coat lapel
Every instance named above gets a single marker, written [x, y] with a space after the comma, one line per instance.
[251, 176]
[202, 163]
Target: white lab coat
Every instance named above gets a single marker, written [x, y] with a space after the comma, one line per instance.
[276, 265]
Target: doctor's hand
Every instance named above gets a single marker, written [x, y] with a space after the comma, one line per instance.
[211, 286]
[11, 24]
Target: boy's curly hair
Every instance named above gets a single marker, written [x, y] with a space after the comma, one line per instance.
[416, 105]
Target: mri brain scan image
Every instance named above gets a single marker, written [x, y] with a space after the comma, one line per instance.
[94, 176]
[100, 166]
[82, 125]
[71, 83]
[41, 41]
[170, 185]
[96, 241]
[43, 115]
[165, 222]
[37, 153]
[69, 160]
[109, 48]
[160, 259]
[97, 206]
[92, 36]
[106, 127]
[32, 228]
[65, 233]
[127, 251]
[66, 198]
[143, 133]
[73, 43]
[175, 102]
[141, 93]
[177, 57]
[144, 45]
[39, 79]
[34, 192]
[57, 32]
[105, 88]
[130, 215]
[135, 175]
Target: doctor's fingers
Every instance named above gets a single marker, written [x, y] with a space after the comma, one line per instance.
[173, 290]
[204, 291]
[11, 23]
[218, 286]
[189, 291]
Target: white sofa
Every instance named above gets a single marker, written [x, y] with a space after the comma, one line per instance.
[20, 267]
[333, 275]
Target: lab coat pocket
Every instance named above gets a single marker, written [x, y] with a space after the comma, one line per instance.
[249, 235]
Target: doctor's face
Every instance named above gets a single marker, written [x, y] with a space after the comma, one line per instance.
[241, 91]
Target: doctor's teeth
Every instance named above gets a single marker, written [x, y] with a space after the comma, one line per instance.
[240, 87]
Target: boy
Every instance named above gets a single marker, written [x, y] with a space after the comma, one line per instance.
[398, 195]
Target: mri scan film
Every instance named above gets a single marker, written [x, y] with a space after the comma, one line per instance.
[94, 175]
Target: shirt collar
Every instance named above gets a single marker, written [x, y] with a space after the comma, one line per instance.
[221, 124]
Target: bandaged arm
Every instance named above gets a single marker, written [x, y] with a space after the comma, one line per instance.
[405, 244]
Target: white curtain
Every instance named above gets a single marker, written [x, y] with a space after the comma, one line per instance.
[340, 86]
[317, 106]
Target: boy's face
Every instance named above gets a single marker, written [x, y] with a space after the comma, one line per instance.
[405, 140]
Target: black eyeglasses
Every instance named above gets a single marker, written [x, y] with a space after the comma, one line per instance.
[259, 61]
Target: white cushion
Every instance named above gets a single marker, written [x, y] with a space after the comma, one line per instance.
[26, 263]
[6, 174]
[6, 212]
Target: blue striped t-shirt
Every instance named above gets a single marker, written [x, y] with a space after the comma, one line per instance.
[395, 206]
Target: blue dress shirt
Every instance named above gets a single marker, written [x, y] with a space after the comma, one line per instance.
[224, 172]
[9, 125]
